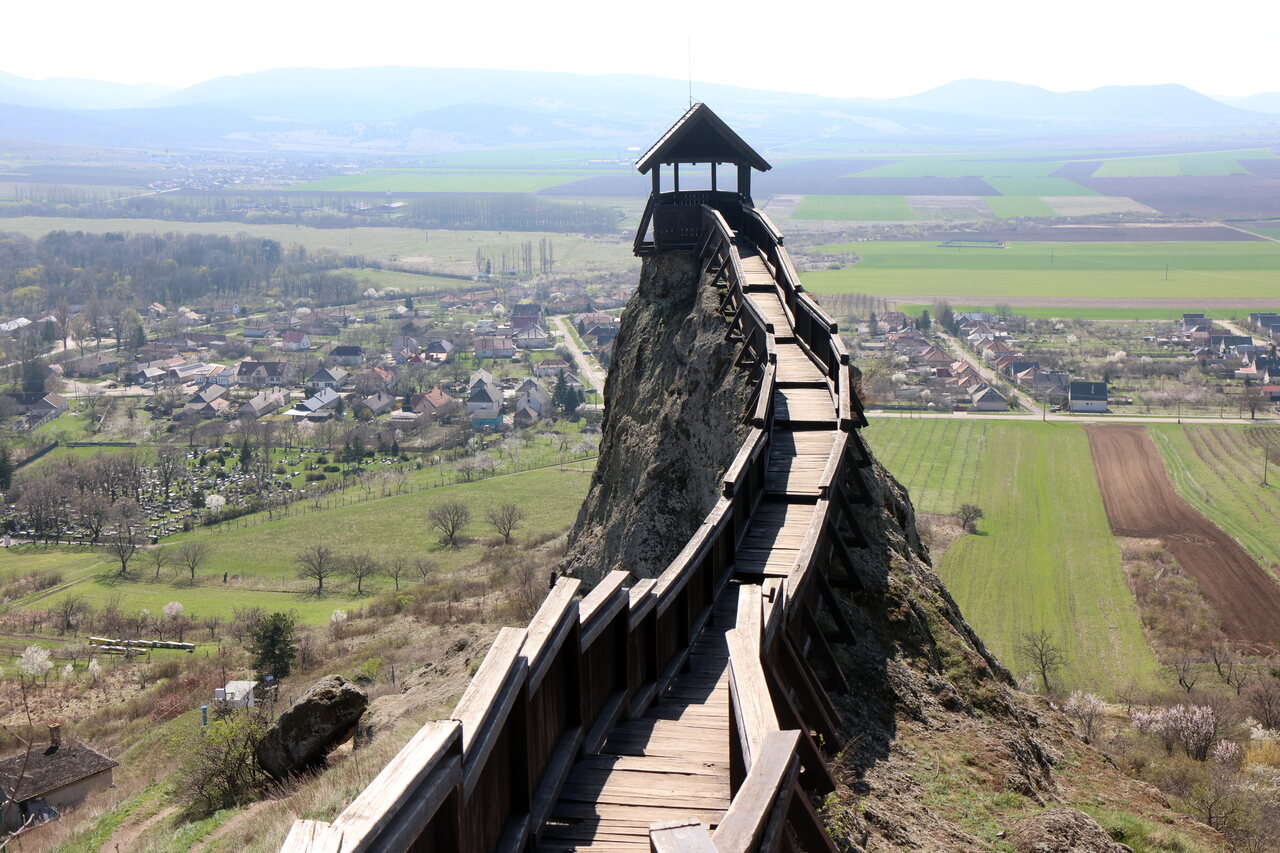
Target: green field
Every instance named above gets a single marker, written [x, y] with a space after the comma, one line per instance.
[1009, 206]
[262, 553]
[892, 208]
[1084, 312]
[1218, 470]
[448, 181]
[1081, 270]
[1175, 165]
[1038, 186]
[1044, 557]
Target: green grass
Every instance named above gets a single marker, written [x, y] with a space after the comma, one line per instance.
[1175, 165]
[1038, 186]
[1080, 270]
[448, 181]
[1083, 311]
[1267, 232]
[855, 208]
[1009, 206]
[1218, 470]
[263, 553]
[1044, 557]
[138, 807]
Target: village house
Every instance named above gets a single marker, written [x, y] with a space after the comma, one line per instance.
[236, 694]
[326, 377]
[984, 398]
[494, 346]
[216, 374]
[531, 337]
[379, 403]
[316, 406]
[373, 380]
[484, 405]
[50, 780]
[432, 403]
[263, 403]
[439, 350]
[525, 314]
[533, 396]
[256, 329]
[346, 355]
[295, 341]
[264, 374]
[208, 401]
[94, 365]
[549, 368]
[1088, 396]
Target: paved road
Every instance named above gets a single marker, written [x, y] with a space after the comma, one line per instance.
[957, 347]
[587, 366]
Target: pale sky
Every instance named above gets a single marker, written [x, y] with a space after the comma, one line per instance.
[848, 48]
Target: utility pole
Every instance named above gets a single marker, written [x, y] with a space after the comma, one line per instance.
[1266, 457]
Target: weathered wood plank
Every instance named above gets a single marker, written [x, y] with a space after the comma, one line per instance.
[760, 806]
[682, 836]
[598, 609]
[484, 707]
[548, 629]
[312, 836]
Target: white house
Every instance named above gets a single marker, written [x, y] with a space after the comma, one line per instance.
[1088, 397]
[237, 694]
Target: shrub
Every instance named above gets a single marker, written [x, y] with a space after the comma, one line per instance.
[332, 469]
[315, 478]
[221, 765]
[280, 469]
[168, 707]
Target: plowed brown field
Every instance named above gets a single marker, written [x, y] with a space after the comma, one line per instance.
[1141, 502]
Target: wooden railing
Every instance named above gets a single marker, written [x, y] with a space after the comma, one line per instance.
[549, 693]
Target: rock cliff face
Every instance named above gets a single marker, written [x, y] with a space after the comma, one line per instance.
[941, 751]
[666, 437]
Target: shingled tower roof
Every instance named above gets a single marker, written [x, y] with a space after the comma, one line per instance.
[701, 136]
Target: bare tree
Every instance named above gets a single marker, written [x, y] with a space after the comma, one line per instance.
[1039, 650]
[358, 567]
[969, 515]
[170, 462]
[449, 517]
[424, 567]
[396, 569]
[317, 562]
[159, 558]
[127, 536]
[70, 611]
[1184, 666]
[94, 512]
[504, 519]
[1263, 702]
[191, 556]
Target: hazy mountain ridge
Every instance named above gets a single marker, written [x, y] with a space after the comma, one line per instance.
[386, 109]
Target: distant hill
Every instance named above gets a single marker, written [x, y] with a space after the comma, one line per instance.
[399, 109]
[1164, 104]
[77, 93]
[1265, 102]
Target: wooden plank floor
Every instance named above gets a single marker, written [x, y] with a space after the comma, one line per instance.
[671, 763]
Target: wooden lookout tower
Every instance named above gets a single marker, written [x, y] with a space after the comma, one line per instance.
[675, 216]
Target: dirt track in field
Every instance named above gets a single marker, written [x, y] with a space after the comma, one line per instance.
[1141, 502]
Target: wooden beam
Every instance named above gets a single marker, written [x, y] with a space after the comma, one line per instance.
[313, 836]
[487, 702]
[549, 628]
[680, 836]
[760, 806]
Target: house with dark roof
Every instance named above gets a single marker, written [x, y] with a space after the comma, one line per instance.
[48, 781]
[1087, 397]
[326, 377]
[346, 355]
[264, 374]
[524, 314]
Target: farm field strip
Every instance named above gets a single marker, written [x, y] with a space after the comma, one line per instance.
[1142, 501]
[1044, 557]
[1219, 472]
[1011, 206]
[451, 180]
[855, 207]
[1104, 271]
[1086, 311]
[442, 248]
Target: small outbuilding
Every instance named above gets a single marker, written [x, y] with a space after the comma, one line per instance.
[50, 780]
[237, 694]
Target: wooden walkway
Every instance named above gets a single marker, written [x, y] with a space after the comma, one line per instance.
[673, 763]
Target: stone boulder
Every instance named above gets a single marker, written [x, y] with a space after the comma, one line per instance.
[322, 718]
[1063, 831]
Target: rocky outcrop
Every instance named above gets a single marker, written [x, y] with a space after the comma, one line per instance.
[1063, 831]
[322, 718]
[666, 437]
[940, 750]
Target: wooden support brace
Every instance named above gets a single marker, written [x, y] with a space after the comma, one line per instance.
[822, 715]
[807, 825]
[837, 612]
[824, 650]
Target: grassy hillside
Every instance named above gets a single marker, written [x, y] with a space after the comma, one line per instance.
[1218, 470]
[1044, 555]
[259, 557]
